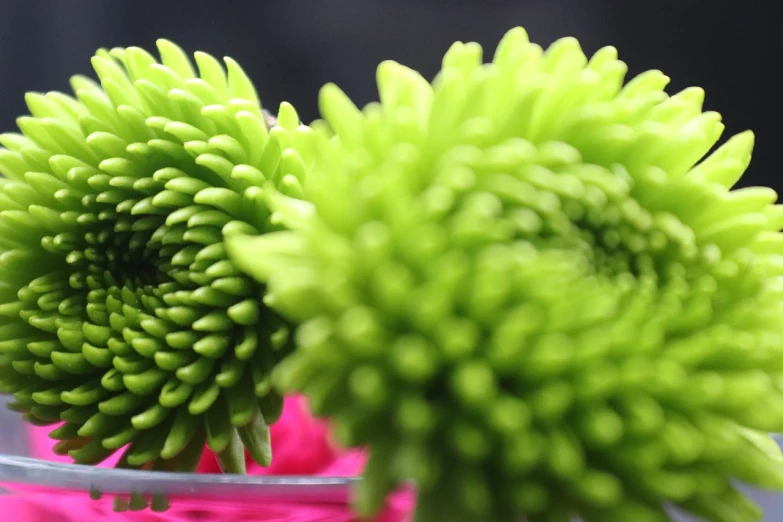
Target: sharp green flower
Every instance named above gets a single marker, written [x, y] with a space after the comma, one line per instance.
[525, 288]
[122, 319]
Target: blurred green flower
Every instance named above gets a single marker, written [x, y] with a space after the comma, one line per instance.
[523, 288]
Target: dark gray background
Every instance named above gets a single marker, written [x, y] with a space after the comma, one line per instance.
[291, 47]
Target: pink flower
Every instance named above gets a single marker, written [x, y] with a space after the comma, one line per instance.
[301, 444]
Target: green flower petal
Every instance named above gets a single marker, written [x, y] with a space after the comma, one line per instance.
[121, 315]
[522, 287]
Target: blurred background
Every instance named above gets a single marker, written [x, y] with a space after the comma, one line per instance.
[290, 48]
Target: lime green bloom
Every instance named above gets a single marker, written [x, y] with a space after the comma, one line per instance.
[121, 318]
[523, 288]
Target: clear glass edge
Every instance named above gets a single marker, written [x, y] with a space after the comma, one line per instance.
[18, 471]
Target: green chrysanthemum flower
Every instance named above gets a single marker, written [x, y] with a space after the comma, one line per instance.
[122, 317]
[521, 291]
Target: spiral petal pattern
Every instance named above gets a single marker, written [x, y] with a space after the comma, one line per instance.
[525, 290]
[122, 319]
